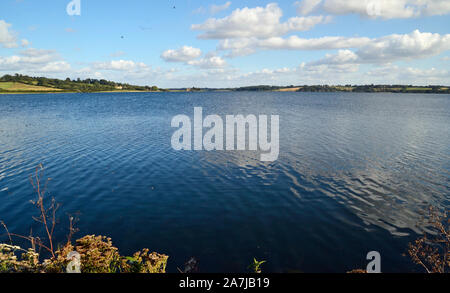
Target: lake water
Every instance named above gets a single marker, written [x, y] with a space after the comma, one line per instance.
[355, 172]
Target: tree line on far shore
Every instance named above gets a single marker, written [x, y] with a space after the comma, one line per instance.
[75, 85]
[99, 85]
[352, 88]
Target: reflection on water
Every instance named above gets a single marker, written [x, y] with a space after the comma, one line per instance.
[354, 174]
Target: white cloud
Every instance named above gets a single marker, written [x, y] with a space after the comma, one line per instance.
[241, 47]
[119, 65]
[400, 47]
[409, 75]
[386, 9]
[258, 22]
[342, 57]
[57, 66]
[413, 46]
[34, 60]
[218, 8]
[329, 74]
[436, 7]
[28, 58]
[7, 38]
[190, 56]
[326, 70]
[183, 54]
[306, 6]
[324, 43]
[209, 62]
[126, 72]
[303, 74]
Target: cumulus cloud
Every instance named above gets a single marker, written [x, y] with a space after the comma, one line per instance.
[34, 60]
[371, 8]
[410, 46]
[342, 57]
[384, 49]
[303, 74]
[258, 22]
[190, 56]
[323, 70]
[8, 38]
[218, 8]
[57, 66]
[28, 58]
[410, 75]
[209, 62]
[415, 45]
[386, 9]
[242, 47]
[247, 30]
[330, 74]
[306, 6]
[183, 54]
[119, 65]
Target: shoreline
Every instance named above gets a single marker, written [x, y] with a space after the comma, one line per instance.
[61, 92]
[215, 91]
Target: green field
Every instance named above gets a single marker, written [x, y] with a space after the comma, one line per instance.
[21, 87]
[419, 89]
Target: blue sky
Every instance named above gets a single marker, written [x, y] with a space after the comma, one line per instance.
[229, 43]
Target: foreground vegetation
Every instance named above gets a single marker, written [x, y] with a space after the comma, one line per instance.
[432, 250]
[94, 254]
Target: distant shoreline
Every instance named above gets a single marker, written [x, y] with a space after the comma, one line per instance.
[61, 92]
[221, 90]
[22, 84]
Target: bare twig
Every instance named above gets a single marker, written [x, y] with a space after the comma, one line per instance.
[72, 229]
[7, 231]
[47, 215]
[44, 213]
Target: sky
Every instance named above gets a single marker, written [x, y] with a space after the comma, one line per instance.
[174, 43]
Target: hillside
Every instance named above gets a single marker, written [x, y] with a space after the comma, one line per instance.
[18, 87]
[25, 84]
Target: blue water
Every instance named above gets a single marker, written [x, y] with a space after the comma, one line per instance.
[355, 172]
